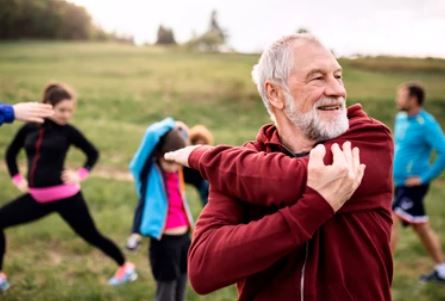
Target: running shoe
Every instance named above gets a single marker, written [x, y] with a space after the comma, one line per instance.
[124, 274]
[4, 284]
[133, 242]
[432, 277]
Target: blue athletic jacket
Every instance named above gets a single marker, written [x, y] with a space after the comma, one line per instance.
[415, 139]
[154, 212]
[6, 113]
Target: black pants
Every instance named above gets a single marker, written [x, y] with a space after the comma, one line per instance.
[73, 210]
[171, 290]
[168, 260]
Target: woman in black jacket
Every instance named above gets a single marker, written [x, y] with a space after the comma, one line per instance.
[50, 188]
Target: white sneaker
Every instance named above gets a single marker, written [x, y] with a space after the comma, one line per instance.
[133, 242]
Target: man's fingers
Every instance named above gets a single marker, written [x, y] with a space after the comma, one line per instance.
[356, 158]
[338, 156]
[171, 156]
[361, 174]
[316, 156]
[347, 152]
[181, 156]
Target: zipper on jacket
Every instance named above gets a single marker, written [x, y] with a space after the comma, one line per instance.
[303, 269]
[38, 144]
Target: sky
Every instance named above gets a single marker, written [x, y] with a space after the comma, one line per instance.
[349, 27]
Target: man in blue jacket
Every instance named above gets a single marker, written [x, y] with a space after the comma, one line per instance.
[416, 135]
[27, 111]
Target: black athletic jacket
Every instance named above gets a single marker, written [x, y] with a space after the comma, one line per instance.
[46, 146]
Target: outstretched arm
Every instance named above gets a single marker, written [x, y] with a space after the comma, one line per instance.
[245, 173]
[276, 179]
[25, 111]
[259, 177]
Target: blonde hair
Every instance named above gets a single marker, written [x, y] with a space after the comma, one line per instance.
[200, 132]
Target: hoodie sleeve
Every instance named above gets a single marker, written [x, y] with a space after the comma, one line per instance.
[236, 170]
[280, 180]
[225, 249]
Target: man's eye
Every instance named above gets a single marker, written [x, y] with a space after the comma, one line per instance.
[339, 76]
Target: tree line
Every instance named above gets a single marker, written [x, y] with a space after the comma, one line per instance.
[62, 20]
[48, 19]
[213, 39]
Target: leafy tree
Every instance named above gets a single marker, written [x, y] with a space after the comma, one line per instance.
[213, 39]
[165, 36]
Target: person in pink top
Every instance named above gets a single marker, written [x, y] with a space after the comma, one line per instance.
[162, 212]
[49, 187]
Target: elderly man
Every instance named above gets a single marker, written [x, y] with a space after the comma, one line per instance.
[280, 223]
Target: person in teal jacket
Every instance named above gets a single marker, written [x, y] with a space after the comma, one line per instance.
[162, 212]
[26, 111]
[148, 181]
[417, 134]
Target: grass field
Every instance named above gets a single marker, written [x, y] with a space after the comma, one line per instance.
[121, 90]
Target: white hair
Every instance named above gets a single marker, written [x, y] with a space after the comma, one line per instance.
[276, 63]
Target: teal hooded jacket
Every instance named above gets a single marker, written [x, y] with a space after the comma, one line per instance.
[155, 209]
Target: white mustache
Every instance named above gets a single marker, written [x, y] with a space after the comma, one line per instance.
[326, 101]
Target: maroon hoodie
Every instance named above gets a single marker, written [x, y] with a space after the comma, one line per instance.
[280, 240]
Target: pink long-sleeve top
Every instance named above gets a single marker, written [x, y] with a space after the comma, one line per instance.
[176, 215]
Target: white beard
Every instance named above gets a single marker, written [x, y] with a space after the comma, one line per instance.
[312, 125]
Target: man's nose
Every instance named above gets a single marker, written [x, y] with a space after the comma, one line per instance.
[335, 88]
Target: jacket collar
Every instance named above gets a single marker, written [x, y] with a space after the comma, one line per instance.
[269, 138]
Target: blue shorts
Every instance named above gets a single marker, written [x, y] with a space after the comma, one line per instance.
[408, 204]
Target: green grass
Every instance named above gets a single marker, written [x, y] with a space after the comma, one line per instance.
[122, 89]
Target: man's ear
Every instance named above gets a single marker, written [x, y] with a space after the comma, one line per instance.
[275, 95]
